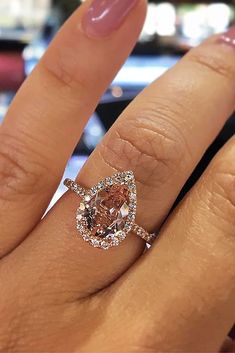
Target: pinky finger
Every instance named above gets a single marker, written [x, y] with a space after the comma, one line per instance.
[192, 284]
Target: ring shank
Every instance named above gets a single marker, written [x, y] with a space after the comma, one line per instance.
[142, 233]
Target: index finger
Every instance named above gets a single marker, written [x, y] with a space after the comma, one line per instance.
[48, 114]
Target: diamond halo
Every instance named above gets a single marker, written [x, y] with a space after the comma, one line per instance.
[107, 211]
[85, 210]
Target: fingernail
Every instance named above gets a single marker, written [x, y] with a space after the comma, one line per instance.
[229, 37]
[105, 16]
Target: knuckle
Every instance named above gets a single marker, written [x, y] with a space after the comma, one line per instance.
[216, 63]
[63, 72]
[151, 144]
[21, 169]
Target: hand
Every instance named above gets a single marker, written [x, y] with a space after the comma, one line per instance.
[58, 293]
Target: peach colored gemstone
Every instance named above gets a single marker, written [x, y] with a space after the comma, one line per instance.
[108, 211]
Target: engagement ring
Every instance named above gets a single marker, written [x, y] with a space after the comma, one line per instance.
[107, 211]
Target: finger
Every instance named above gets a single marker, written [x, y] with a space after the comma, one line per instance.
[161, 137]
[47, 117]
[228, 346]
[191, 281]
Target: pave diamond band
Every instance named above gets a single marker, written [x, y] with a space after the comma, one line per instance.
[107, 211]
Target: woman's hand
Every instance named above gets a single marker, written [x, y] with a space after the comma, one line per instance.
[57, 293]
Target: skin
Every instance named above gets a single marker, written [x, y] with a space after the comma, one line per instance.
[57, 293]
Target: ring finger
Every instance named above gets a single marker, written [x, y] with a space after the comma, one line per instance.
[161, 137]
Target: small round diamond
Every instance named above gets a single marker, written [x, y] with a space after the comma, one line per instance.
[109, 181]
[115, 242]
[79, 217]
[104, 245]
[80, 191]
[128, 176]
[110, 237]
[118, 178]
[100, 185]
[132, 197]
[121, 235]
[79, 226]
[95, 243]
[94, 190]
[131, 217]
[133, 207]
[87, 198]
[128, 226]
[86, 237]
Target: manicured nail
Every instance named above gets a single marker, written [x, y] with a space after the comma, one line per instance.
[229, 37]
[105, 16]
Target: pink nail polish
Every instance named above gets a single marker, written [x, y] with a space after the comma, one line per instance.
[105, 16]
[229, 37]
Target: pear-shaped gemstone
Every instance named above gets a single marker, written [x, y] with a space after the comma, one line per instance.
[106, 213]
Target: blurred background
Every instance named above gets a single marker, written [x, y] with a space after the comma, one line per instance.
[170, 30]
